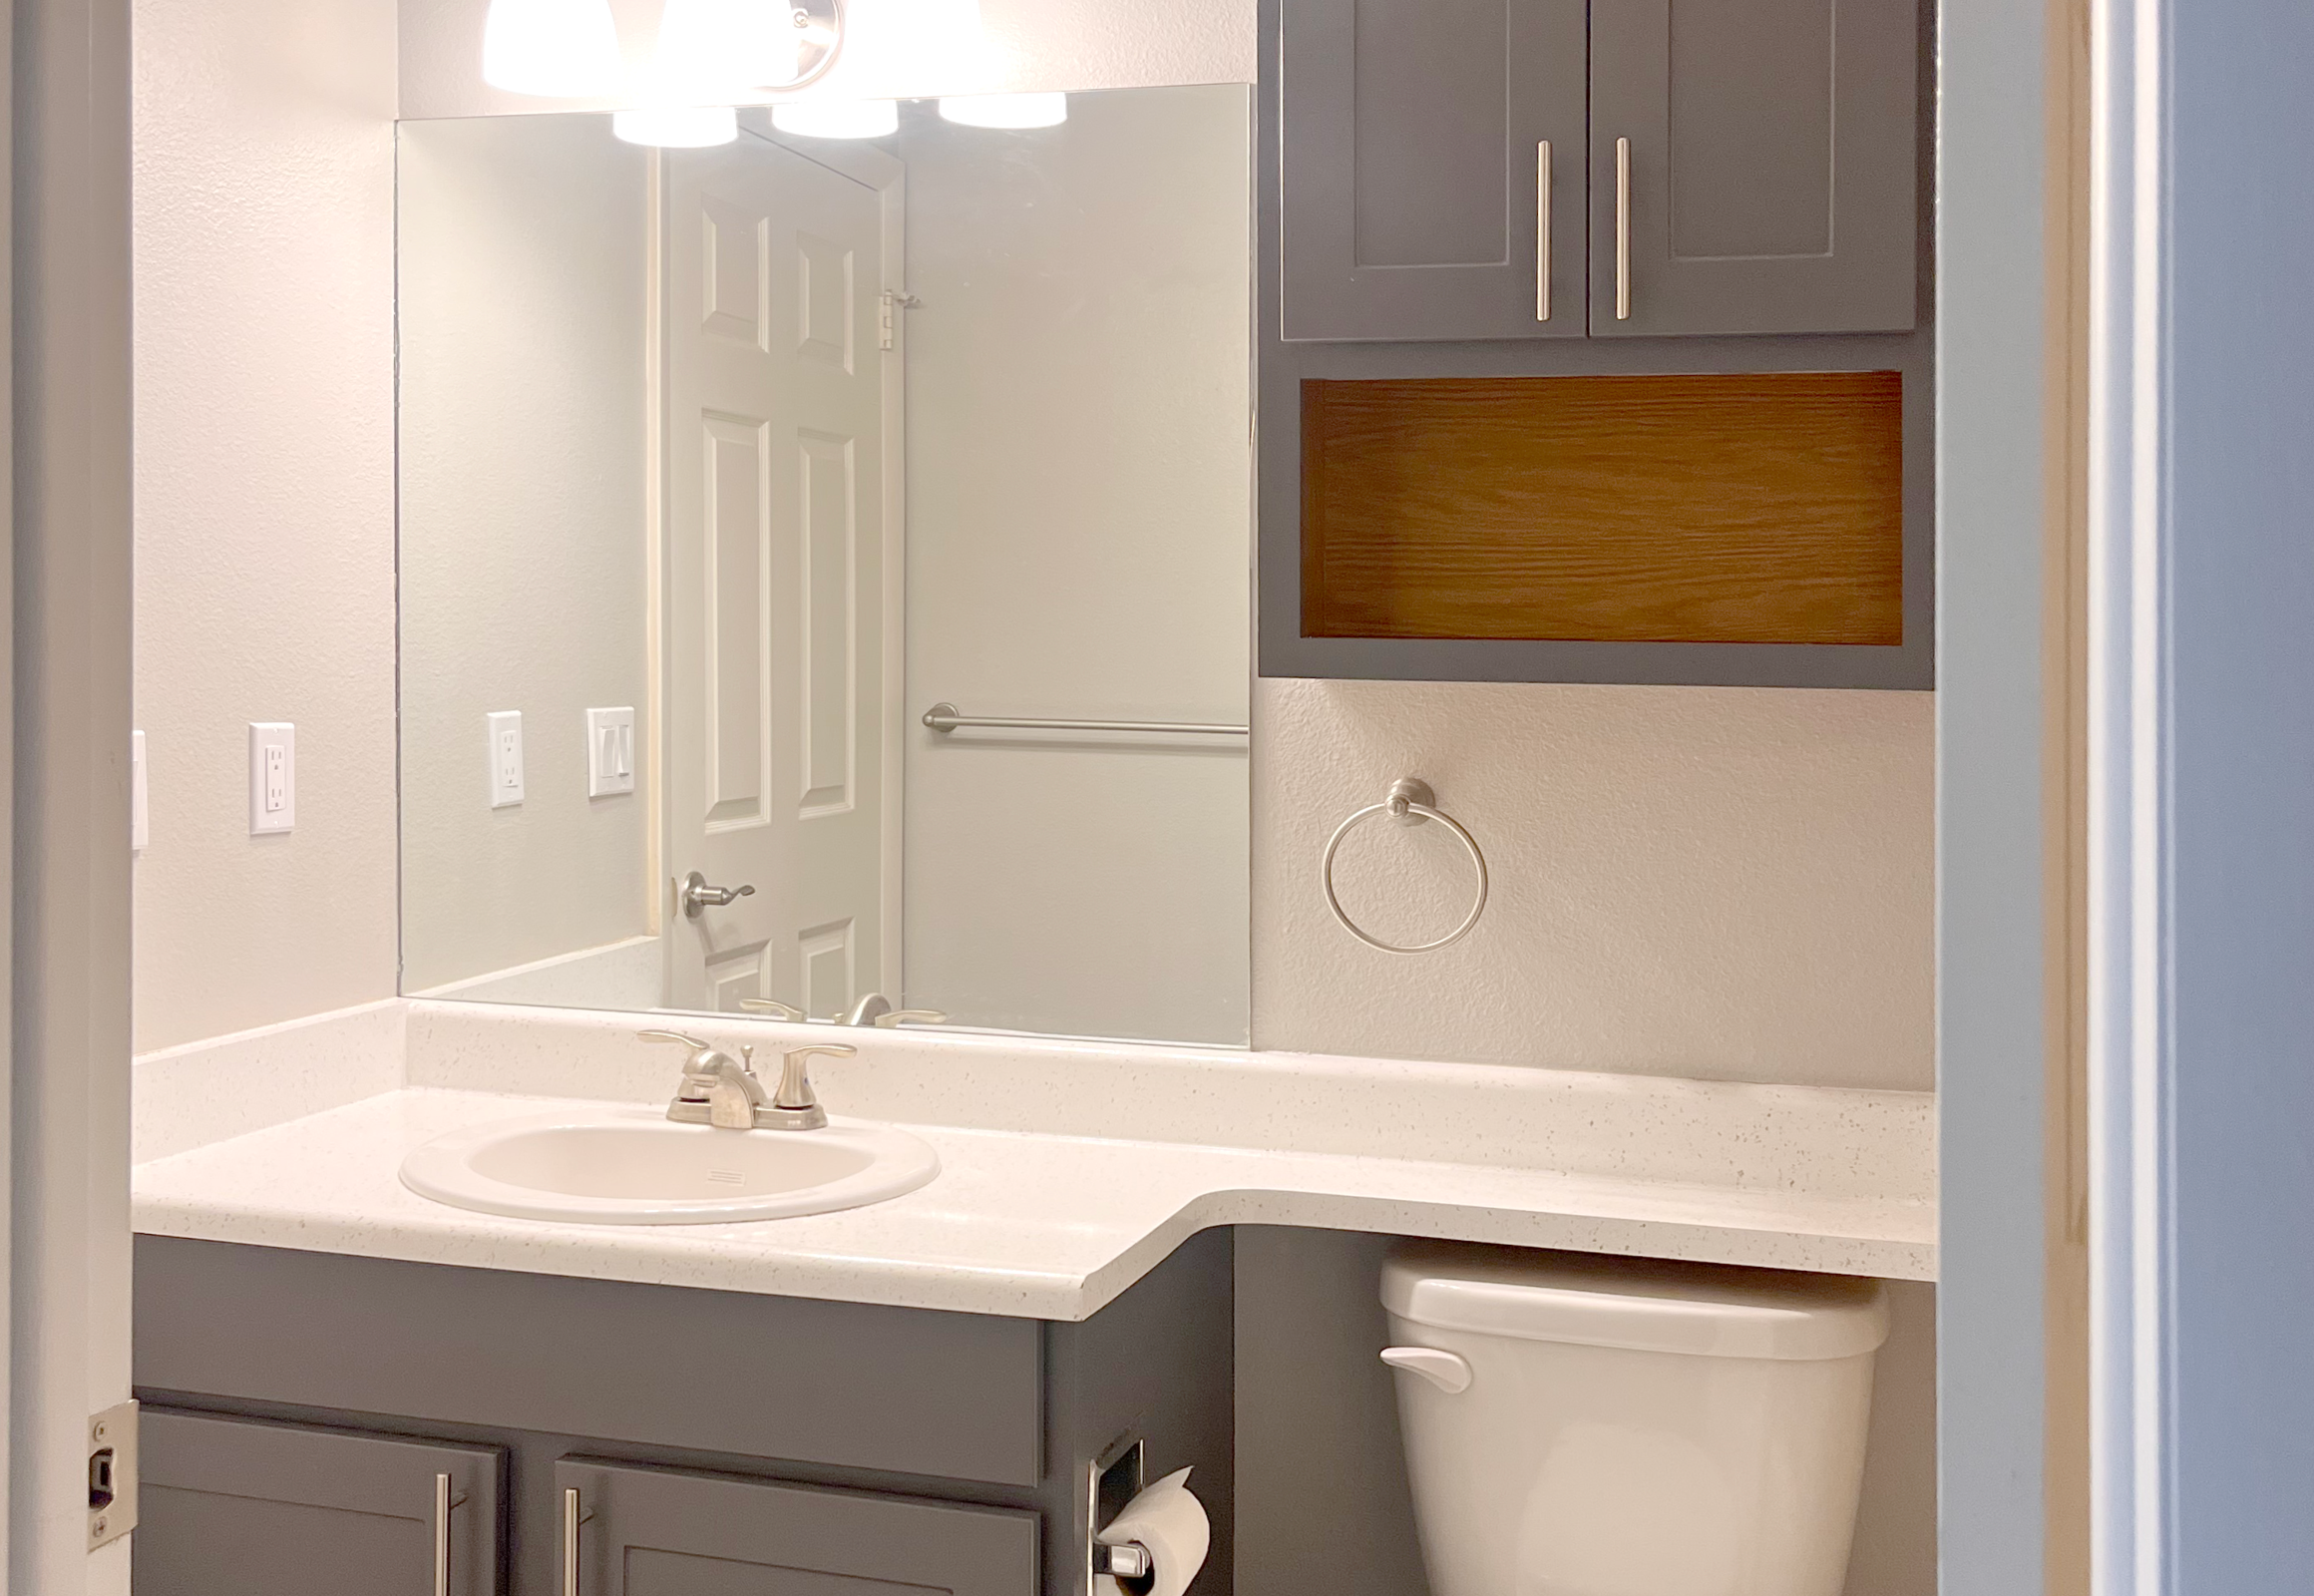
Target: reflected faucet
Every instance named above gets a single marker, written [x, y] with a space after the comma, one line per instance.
[876, 1009]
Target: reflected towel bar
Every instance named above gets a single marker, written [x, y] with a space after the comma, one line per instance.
[946, 717]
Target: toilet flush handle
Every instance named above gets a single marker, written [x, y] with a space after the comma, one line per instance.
[1443, 1370]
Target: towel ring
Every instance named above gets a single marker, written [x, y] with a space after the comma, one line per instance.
[1409, 804]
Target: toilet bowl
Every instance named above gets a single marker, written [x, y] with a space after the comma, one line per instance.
[1585, 1427]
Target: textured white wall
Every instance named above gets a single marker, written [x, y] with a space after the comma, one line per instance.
[264, 508]
[524, 564]
[1034, 44]
[1078, 514]
[1727, 883]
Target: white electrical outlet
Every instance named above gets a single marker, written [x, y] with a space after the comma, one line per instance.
[506, 758]
[609, 752]
[272, 776]
[139, 815]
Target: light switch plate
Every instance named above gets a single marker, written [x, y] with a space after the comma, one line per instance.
[609, 752]
[272, 776]
[506, 758]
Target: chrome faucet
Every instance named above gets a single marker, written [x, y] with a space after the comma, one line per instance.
[717, 1089]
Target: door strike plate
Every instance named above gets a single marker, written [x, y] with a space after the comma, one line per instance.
[112, 1474]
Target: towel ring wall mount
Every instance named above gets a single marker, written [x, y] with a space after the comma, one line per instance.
[1410, 803]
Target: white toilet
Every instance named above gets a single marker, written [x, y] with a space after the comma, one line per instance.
[1585, 1427]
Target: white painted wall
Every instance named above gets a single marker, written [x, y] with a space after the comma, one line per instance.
[264, 502]
[1033, 44]
[524, 555]
[1078, 523]
[1734, 883]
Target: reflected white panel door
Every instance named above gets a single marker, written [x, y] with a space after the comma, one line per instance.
[774, 569]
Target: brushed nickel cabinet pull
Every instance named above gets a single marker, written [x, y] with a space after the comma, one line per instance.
[1543, 231]
[442, 1506]
[571, 1540]
[1623, 230]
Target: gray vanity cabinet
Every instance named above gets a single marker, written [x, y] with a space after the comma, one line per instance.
[1419, 142]
[1752, 165]
[300, 1406]
[664, 1532]
[270, 1510]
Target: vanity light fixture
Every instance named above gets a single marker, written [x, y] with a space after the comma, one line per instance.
[558, 47]
[1006, 110]
[718, 49]
[837, 119]
[676, 127]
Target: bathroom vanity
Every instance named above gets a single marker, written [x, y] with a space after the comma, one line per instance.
[653, 1440]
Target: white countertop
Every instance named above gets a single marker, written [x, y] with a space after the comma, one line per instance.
[1031, 1215]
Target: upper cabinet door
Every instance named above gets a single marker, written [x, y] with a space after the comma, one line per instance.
[1752, 165]
[1418, 140]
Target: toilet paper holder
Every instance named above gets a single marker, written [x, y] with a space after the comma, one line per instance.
[1113, 1480]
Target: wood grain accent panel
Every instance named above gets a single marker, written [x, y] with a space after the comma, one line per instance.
[1754, 508]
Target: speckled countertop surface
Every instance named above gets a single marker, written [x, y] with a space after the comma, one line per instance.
[1037, 1214]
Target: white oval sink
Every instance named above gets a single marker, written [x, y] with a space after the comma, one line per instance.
[635, 1166]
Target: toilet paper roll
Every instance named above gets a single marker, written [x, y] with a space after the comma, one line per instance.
[1171, 1523]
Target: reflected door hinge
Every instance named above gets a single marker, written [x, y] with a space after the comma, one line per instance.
[112, 1474]
[887, 310]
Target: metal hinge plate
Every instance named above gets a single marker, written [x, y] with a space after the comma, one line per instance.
[888, 309]
[112, 1474]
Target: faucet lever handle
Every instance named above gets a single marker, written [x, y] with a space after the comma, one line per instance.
[912, 1017]
[676, 1037]
[772, 1005]
[795, 1082]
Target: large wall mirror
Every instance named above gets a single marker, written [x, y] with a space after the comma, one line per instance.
[723, 469]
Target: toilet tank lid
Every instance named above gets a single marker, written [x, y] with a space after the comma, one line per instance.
[1704, 1309]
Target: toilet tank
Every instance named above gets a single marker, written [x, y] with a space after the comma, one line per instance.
[1587, 1427]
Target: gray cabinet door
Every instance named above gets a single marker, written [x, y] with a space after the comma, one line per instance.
[263, 1509]
[1752, 165]
[1413, 136]
[659, 1532]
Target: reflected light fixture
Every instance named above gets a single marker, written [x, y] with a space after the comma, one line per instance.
[676, 127]
[557, 48]
[1006, 110]
[837, 119]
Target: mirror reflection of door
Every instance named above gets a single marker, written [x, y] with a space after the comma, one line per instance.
[774, 416]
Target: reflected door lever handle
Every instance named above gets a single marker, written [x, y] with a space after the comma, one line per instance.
[694, 895]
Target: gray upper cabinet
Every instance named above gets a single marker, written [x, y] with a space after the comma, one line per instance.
[1752, 165]
[1419, 142]
[659, 1533]
[263, 1509]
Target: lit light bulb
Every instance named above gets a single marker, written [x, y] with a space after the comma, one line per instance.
[1006, 110]
[676, 127]
[712, 47]
[556, 48]
[837, 119]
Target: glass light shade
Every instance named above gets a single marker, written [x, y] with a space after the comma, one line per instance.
[1006, 110]
[676, 127]
[556, 48]
[837, 119]
[710, 45]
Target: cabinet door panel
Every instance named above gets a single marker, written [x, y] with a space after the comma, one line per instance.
[1410, 168]
[1772, 181]
[660, 1532]
[262, 1509]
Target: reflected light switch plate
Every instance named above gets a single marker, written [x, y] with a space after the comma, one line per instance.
[272, 776]
[506, 758]
[609, 752]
